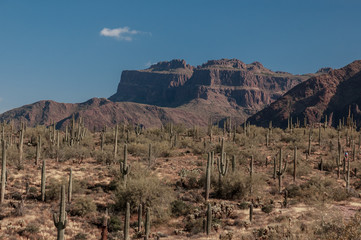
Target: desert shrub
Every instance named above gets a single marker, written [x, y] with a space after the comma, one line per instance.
[335, 230]
[81, 236]
[317, 190]
[190, 178]
[137, 149]
[82, 206]
[267, 208]
[303, 167]
[105, 157]
[12, 155]
[243, 205]
[53, 186]
[115, 224]
[232, 187]
[30, 231]
[194, 225]
[147, 188]
[162, 149]
[52, 190]
[180, 208]
[76, 152]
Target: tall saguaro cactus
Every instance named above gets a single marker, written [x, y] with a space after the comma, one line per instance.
[150, 155]
[43, 180]
[60, 221]
[209, 219]
[251, 212]
[147, 223]
[309, 142]
[251, 175]
[222, 165]
[280, 171]
[294, 163]
[70, 186]
[208, 176]
[38, 150]
[140, 212]
[21, 143]
[3, 172]
[338, 159]
[127, 222]
[116, 130]
[124, 167]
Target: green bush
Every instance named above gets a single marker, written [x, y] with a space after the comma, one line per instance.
[143, 187]
[180, 208]
[82, 206]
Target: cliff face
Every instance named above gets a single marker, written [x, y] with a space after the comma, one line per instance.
[155, 85]
[175, 83]
[331, 94]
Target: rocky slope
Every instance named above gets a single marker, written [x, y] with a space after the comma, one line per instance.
[331, 94]
[173, 91]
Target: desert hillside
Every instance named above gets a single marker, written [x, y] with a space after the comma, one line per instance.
[192, 183]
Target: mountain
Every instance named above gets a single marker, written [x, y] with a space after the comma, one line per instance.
[330, 94]
[173, 91]
[175, 83]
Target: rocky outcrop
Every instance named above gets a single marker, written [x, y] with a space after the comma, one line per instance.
[331, 94]
[175, 83]
[155, 85]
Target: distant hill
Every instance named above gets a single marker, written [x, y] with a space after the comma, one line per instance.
[331, 94]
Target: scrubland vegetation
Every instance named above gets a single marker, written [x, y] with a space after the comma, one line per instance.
[173, 182]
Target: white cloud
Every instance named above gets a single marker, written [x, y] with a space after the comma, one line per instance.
[122, 33]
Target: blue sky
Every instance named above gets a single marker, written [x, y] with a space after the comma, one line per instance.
[70, 51]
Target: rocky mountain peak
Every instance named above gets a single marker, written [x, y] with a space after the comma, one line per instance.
[170, 65]
[225, 64]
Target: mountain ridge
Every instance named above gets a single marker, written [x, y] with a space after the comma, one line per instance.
[330, 94]
[172, 91]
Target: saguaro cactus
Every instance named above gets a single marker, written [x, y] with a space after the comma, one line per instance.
[338, 159]
[147, 224]
[280, 171]
[209, 219]
[43, 180]
[140, 212]
[38, 150]
[274, 167]
[208, 176]
[116, 130]
[60, 221]
[150, 154]
[21, 143]
[251, 175]
[124, 167]
[309, 142]
[233, 161]
[127, 222]
[347, 176]
[72, 132]
[294, 163]
[3, 172]
[222, 165]
[70, 186]
[102, 140]
[104, 234]
[251, 212]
